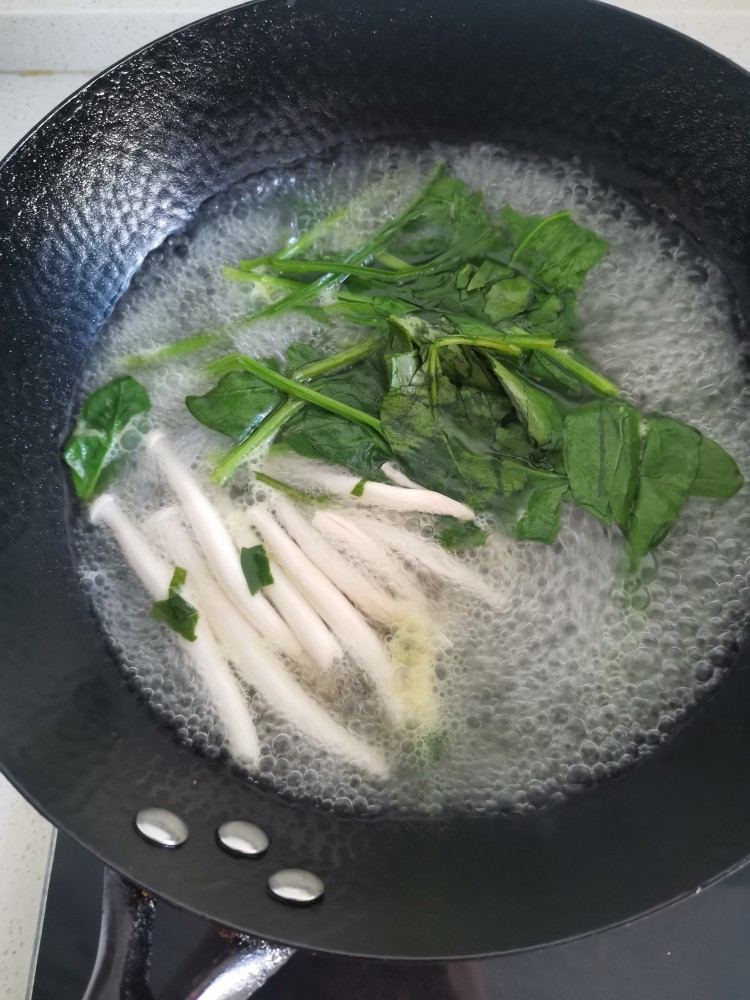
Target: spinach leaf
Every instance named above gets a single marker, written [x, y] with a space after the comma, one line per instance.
[677, 462]
[540, 368]
[717, 475]
[556, 250]
[449, 224]
[454, 534]
[517, 226]
[175, 611]
[367, 307]
[669, 463]
[507, 298]
[444, 437]
[512, 440]
[540, 520]
[439, 435]
[536, 409]
[486, 393]
[256, 568]
[238, 404]
[318, 433]
[92, 451]
[243, 406]
[299, 354]
[601, 449]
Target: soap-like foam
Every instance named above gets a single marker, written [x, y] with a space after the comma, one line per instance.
[584, 672]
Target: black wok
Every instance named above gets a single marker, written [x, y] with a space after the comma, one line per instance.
[127, 161]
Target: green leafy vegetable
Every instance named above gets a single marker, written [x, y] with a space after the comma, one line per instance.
[601, 451]
[332, 435]
[177, 349]
[540, 520]
[472, 379]
[454, 534]
[236, 406]
[233, 459]
[717, 475]
[297, 390]
[556, 250]
[294, 492]
[256, 568]
[435, 430]
[432, 747]
[175, 611]
[536, 409]
[670, 459]
[250, 405]
[92, 451]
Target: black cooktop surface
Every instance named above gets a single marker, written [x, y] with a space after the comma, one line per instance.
[695, 950]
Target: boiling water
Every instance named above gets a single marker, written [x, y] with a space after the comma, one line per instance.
[586, 670]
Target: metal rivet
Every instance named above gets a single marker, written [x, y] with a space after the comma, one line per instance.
[162, 827]
[246, 840]
[295, 885]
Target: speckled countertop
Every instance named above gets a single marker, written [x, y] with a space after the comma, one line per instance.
[49, 48]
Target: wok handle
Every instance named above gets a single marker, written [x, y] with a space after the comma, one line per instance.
[121, 968]
[122, 959]
[247, 966]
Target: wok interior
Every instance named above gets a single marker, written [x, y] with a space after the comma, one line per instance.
[104, 181]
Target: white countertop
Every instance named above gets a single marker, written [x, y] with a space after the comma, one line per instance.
[49, 48]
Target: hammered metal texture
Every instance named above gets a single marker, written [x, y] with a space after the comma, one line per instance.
[86, 196]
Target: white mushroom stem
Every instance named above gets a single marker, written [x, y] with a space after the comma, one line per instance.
[208, 661]
[314, 636]
[221, 553]
[321, 476]
[375, 603]
[397, 477]
[364, 546]
[257, 664]
[346, 623]
[432, 557]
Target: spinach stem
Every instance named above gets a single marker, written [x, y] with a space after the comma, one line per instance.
[337, 267]
[581, 371]
[433, 372]
[313, 369]
[259, 278]
[308, 395]
[305, 496]
[303, 241]
[394, 263]
[325, 267]
[370, 248]
[348, 356]
[510, 347]
[306, 239]
[273, 423]
[177, 349]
